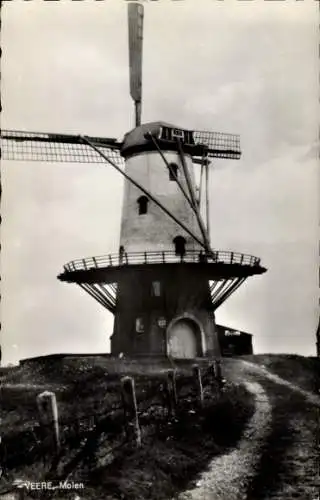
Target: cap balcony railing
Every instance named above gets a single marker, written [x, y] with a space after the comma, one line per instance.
[161, 257]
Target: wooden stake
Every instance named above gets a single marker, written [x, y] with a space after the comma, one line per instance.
[172, 378]
[198, 383]
[212, 372]
[48, 413]
[218, 373]
[171, 390]
[131, 410]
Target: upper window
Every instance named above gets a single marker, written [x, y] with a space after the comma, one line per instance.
[139, 325]
[156, 288]
[142, 205]
[177, 133]
[173, 171]
[180, 245]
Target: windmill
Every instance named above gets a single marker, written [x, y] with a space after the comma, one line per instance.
[165, 282]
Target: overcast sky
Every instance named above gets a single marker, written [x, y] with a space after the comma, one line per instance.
[241, 67]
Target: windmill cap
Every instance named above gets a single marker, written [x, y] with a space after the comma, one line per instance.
[137, 140]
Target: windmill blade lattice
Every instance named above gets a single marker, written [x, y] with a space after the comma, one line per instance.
[33, 146]
[219, 144]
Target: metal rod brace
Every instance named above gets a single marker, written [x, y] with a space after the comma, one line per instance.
[146, 192]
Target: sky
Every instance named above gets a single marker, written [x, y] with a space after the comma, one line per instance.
[240, 67]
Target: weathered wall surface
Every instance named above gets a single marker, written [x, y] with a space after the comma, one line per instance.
[182, 294]
[155, 230]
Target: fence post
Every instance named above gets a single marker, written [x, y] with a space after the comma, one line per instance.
[48, 413]
[218, 373]
[198, 383]
[172, 378]
[130, 410]
[3, 458]
[212, 373]
[171, 389]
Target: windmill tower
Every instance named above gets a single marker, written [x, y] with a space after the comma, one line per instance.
[165, 283]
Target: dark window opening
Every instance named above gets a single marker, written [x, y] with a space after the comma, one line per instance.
[180, 245]
[142, 205]
[121, 254]
[173, 171]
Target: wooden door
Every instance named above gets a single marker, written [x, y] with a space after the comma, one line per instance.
[182, 341]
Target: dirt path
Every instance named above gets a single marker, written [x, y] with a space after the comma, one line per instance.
[289, 465]
[228, 475]
[278, 457]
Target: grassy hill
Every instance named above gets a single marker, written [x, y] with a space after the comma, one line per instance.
[174, 448]
[300, 370]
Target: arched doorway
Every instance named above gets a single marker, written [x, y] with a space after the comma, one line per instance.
[184, 338]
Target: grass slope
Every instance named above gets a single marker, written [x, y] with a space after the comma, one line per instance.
[300, 370]
[174, 451]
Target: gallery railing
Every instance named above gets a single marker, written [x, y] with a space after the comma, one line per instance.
[161, 257]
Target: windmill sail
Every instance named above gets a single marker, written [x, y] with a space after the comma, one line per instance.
[219, 144]
[135, 31]
[38, 146]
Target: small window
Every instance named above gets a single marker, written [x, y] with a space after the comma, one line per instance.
[180, 245]
[142, 205]
[177, 133]
[156, 288]
[162, 322]
[139, 325]
[173, 171]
